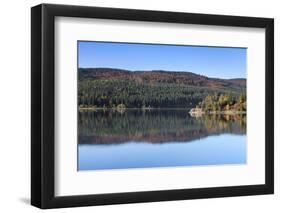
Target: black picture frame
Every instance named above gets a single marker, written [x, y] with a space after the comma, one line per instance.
[43, 102]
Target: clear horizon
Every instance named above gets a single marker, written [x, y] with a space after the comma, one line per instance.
[215, 62]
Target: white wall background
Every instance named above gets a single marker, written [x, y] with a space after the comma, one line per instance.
[15, 105]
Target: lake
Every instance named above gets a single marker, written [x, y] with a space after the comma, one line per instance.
[135, 138]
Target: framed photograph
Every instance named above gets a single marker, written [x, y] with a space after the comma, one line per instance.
[139, 106]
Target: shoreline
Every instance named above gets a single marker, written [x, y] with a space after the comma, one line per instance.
[192, 111]
[141, 108]
[199, 112]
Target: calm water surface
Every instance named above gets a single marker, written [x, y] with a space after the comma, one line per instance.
[110, 139]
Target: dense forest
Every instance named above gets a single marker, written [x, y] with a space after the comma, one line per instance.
[223, 102]
[113, 88]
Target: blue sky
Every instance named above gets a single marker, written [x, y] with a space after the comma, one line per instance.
[209, 61]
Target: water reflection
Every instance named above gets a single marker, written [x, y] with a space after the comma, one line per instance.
[153, 126]
[110, 139]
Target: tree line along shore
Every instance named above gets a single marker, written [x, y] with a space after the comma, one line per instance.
[221, 104]
[105, 88]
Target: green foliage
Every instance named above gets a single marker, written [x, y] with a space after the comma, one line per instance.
[108, 88]
[110, 93]
[224, 102]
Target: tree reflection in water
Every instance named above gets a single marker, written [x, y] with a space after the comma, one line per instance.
[111, 126]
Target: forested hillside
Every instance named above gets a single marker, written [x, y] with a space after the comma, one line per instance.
[106, 87]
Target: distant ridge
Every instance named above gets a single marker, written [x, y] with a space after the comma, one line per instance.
[161, 76]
